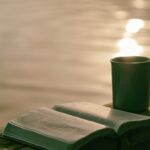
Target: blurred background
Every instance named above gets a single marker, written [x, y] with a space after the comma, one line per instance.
[56, 51]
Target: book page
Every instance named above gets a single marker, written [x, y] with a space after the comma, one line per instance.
[120, 121]
[55, 130]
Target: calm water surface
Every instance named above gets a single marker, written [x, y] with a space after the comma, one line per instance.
[55, 51]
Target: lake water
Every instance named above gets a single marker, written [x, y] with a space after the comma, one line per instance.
[56, 51]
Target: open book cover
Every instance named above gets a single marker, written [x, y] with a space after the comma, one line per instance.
[80, 126]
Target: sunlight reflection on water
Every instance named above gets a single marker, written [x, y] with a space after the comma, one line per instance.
[128, 46]
[134, 25]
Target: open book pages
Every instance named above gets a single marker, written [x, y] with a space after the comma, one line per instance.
[120, 121]
[48, 129]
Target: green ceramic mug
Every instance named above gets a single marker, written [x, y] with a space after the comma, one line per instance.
[130, 83]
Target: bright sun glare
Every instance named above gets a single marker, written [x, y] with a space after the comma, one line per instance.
[127, 45]
[134, 25]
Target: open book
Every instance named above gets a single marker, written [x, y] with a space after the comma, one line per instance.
[80, 126]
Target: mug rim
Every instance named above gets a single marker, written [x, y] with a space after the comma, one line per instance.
[130, 60]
